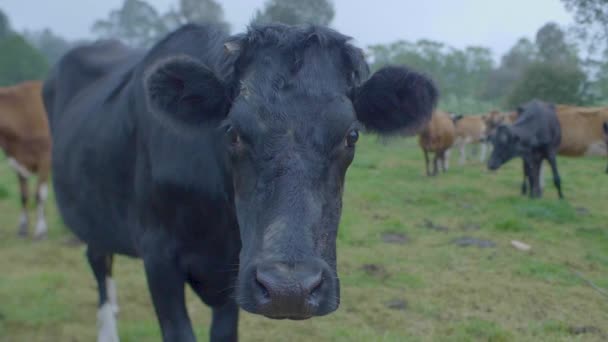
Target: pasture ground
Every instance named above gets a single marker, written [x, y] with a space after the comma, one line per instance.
[418, 286]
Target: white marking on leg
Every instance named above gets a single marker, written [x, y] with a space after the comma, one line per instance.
[20, 169]
[484, 151]
[463, 153]
[41, 226]
[23, 218]
[112, 296]
[23, 222]
[106, 324]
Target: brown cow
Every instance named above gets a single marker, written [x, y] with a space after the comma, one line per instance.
[26, 141]
[438, 136]
[582, 133]
[470, 130]
[496, 118]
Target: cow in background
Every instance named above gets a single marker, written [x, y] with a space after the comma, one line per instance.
[437, 136]
[470, 130]
[26, 141]
[496, 118]
[535, 136]
[582, 132]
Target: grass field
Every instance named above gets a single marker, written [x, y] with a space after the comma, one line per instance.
[403, 276]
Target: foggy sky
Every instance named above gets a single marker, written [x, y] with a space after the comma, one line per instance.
[459, 23]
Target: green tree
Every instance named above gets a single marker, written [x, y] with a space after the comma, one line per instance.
[512, 66]
[195, 11]
[293, 12]
[5, 25]
[557, 83]
[591, 16]
[48, 43]
[19, 61]
[136, 23]
[552, 46]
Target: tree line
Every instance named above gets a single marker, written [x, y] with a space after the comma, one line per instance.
[549, 67]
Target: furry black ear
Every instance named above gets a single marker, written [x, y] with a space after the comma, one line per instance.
[606, 127]
[395, 99]
[456, 117]
[185, 91]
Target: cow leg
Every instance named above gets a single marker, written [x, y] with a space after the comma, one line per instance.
[446, 160]
[435, 164]
[42, 193]
[443, 160]
[524, 184]
[556, 178]
[541, 176]
[224, 325]
[101, 264]
[483, 153]
[24, 218]
[426, 163]
[535, 189]
[463, 153]
[167, 285]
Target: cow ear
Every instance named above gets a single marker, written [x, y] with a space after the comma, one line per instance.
[184, 91]
[606, 127]
[395, 99]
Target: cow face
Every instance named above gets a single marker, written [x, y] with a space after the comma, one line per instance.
[506, 146]
[291, 120]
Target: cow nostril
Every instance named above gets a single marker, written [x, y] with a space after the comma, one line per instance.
[313, 284]
[262, 288]
[316, 287]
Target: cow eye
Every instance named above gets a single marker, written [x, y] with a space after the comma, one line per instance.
[351, 138]
[232, 135]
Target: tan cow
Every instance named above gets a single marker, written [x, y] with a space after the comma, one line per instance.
[26, 141]
[470, 130]
[582, 132]
[496, 118]
[437, 136]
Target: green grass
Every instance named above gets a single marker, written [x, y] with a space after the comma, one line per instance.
[453, 293]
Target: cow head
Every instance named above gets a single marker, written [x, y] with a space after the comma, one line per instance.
[507, 145]
[291, 112]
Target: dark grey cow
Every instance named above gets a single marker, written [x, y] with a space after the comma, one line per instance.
[220, 161]
[535, 136]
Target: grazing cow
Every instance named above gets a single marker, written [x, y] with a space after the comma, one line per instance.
[26, 141]
[495, 119]
[220, 161]
[470, 130]
[534, 136]
[437, 136]
[582, 133]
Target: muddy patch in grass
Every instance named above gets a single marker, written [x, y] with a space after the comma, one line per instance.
[430, 225]
[467, 241]
[375, 271]
[395, 238]
[397, 304]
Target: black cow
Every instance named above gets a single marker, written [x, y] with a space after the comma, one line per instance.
[220, 160]
[605, 125]
[534, 136]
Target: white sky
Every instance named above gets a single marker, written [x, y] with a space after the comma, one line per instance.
[496, 24]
